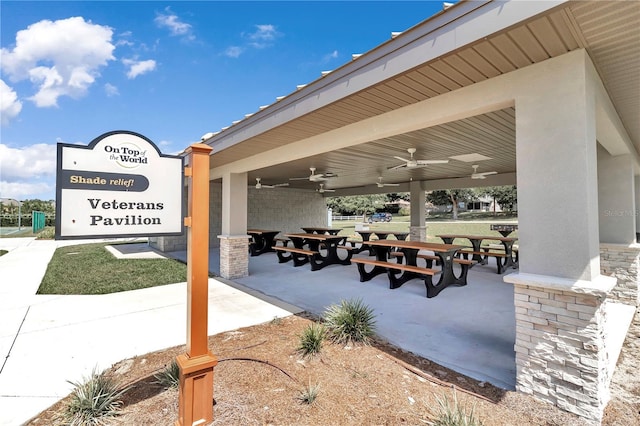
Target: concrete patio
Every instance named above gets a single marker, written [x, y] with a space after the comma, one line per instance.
[475, 338]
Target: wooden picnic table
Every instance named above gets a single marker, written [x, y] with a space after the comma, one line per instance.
[262, 241]
[381, 234]
[504, 260]
[321, 251]
[321, 230]
[504, 228]
[446, 254]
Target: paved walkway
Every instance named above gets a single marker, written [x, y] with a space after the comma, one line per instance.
[46, 340]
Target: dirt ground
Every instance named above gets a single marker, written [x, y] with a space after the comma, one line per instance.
[260, 378]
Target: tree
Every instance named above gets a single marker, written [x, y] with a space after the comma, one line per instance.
[356, 204]
[506, 196]
[451, 197]
[46, 207]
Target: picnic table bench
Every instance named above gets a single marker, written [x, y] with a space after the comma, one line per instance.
[410, 249]
[392, 269]
[322, 250]
[262, 241]
[480, 254]
[299, 256]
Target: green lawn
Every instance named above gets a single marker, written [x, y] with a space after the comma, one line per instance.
[91, 269]
[479, 226]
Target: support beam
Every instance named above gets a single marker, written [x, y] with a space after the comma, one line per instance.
[234, 241]
[616, 200]
[418, 228]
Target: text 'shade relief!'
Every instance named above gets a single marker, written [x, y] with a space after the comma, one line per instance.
[119, 185]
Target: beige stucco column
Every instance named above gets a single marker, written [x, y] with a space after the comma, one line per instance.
[234, 248]
[417, 227]
[560, 295]
[619, 253]
[616, 194]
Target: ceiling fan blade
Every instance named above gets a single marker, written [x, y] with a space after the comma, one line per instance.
[401, 159]
[280, 184]
[390, 184]
[482, 175]
[427, 162]
[401, 166]
[300, 178]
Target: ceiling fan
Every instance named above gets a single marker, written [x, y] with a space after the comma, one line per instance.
[412, 163]
[481, 175]
[322, 189]
[260, 185]
[381, 185]
[315, 177]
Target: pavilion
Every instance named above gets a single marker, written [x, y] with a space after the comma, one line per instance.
[547, 94]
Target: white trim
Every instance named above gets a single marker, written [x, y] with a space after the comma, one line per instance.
[600, 286]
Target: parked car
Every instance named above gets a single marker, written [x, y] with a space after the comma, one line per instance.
[380, 217]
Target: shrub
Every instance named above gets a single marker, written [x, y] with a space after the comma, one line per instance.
[94, 399]
[169, 377]
[452, 414]
[351, 321]
[311, 339]
[47, 233]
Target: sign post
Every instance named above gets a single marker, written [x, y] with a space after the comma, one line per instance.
[196, 365]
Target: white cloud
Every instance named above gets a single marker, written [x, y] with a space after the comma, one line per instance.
[27, 190]
[330, 56]
[10, 106]
[27, 162]
[174, 24]
[233, 51]
[61, 58]
[111, 90]
[28, 172]
[137, 68]
[263, 36]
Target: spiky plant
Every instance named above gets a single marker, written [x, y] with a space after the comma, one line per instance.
[350, 321]
[453, 414]
[94, 400]
[311, 339]
[309, 394]
[169, 377]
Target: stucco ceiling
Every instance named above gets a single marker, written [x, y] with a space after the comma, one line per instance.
[608, 31]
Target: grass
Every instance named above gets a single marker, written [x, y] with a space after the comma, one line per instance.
[91, 269]
[473, 224]
[453, 414]
[311, 340]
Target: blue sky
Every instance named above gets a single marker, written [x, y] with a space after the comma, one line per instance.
[171, 71]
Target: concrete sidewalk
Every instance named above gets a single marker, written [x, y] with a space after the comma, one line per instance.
[46, 340]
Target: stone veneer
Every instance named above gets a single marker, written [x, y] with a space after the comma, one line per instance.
[561, 356]
[622, 262]
[234, 256]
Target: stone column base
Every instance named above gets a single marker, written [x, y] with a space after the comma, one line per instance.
[234, 256]
[418, 233]
[561, 353]
[622, 262]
